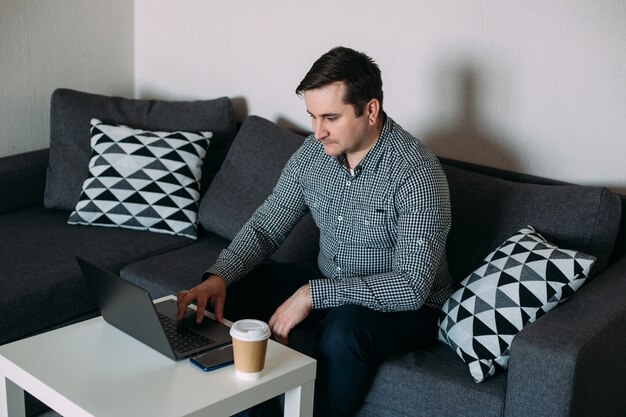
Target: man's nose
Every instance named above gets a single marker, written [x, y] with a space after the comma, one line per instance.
[320, 130]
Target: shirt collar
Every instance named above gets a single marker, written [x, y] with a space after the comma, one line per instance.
[374, 154]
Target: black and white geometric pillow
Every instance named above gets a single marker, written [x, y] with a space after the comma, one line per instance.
[515, 284]
[143, 180]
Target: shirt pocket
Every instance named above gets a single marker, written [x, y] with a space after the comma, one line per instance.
[372, 227]
[320, 207]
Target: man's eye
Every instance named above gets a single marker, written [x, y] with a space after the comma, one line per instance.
[331, 118]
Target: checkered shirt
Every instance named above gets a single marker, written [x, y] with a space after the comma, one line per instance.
[383, 228]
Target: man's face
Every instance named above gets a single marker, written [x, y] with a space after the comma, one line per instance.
[335, 123]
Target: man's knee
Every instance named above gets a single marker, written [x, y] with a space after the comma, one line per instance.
[342, 331]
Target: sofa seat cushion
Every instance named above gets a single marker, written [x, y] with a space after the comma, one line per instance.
[177, 270]
[432, 382]
[41, 282]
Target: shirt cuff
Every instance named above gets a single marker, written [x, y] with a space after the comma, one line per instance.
[224, 270]
[323, 293]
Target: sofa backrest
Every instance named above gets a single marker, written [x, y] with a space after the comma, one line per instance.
[488, 206]
[22, 180]
[248, 175]
[486, 210]
[70, 137]
[619, 250]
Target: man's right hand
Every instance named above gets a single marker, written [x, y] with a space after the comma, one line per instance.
[210, 292]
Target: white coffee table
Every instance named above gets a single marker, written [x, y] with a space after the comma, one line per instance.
[93, 369]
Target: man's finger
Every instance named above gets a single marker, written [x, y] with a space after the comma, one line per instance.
[200, 307]
[218, 309]
[182, 304]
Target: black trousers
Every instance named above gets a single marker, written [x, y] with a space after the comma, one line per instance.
[350, 340]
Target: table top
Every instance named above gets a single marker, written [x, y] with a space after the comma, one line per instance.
[92, 368]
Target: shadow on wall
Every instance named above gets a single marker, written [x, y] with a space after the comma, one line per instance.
[465, 138]
[240, 108]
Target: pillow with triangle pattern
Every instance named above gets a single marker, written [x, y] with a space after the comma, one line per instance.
[144, 180]
[515, 285]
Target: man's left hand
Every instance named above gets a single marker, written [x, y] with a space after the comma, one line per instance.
[295, 309]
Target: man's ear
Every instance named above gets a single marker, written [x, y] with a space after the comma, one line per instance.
[372, 110]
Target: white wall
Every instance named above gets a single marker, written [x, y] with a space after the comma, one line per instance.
[533, 86]
[86, 45]
[536, 87]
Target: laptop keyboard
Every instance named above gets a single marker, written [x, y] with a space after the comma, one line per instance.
[181, 338]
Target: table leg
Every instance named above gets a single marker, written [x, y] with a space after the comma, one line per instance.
[11, 399]
[299, 401]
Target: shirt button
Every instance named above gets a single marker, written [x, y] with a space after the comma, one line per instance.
[420, 242]
[340, 218]
[348, 182]
[338, 269]
[366, 222]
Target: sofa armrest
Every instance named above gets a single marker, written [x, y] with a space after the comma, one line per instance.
[570, 362]
[22, 180]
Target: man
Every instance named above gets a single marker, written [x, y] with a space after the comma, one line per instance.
[380, 200]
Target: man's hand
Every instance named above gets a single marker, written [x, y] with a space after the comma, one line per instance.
[212, 290]
[295, 309]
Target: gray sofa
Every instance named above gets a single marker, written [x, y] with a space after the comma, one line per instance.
[567, 363]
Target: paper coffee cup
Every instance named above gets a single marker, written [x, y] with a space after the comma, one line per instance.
[249, 347]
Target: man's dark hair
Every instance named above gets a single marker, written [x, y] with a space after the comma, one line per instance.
[358, 71]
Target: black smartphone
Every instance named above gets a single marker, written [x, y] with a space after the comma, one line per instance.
[214, 359]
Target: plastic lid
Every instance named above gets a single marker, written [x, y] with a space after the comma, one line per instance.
[250, 330]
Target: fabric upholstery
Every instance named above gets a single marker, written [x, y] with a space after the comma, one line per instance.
[432, 382]
[248, 175]
[41, 282]
[487, 210]
[176, 270]
[22, 180]
[70, 149]
[557, 359]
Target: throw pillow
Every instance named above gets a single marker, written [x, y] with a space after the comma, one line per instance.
[517, 283]
[143, 180]
[71, 111]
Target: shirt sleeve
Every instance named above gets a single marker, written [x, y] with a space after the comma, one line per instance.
[266, 229]
[419, 264]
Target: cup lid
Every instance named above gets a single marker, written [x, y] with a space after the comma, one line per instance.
[250, 330]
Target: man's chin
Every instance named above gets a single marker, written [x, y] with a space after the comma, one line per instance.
[331, 150]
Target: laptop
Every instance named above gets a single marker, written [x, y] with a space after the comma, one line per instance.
[130, 308]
